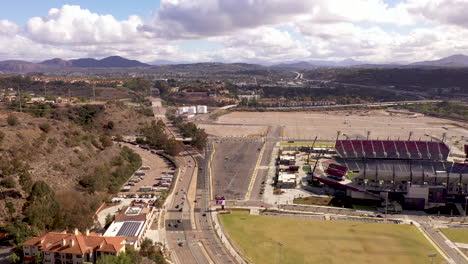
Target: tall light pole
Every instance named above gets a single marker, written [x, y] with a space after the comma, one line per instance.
[281, 245]
[386, 204]
[466, 201]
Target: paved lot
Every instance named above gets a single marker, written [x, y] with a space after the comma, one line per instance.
[233, 165]
[158, 166]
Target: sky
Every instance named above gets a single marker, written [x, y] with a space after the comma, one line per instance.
[251, 31]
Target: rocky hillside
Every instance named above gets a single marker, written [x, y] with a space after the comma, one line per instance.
[61, 148]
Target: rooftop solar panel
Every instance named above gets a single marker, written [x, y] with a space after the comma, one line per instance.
[129, 229]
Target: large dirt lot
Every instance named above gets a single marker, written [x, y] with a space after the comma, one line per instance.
[383, 124]
[234, 130]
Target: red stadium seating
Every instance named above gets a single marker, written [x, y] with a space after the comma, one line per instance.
[392, 149]
[336, 170]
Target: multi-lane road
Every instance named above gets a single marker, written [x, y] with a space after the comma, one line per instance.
[187, 226]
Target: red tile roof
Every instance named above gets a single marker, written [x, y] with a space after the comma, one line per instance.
[77, 244]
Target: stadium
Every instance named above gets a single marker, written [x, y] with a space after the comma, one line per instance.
[418, 174]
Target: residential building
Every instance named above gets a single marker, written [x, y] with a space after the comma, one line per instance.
[75, 248]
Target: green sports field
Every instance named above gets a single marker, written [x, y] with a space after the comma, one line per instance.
[456, 234]
[325, 242]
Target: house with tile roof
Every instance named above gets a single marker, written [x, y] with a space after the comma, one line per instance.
[74, 248]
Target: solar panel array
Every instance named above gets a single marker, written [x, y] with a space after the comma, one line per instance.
[129, 229]
[392, 149]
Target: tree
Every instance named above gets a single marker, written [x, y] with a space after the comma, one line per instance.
[38, 258]
[12, 120]
[111, 259]
[14, 258]
[19, 231]
[42, 207]
[11, 209]
[173, 147]
[109, 220]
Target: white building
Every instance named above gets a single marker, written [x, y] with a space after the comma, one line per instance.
[192, 110]
[202, 109]
[286, 180]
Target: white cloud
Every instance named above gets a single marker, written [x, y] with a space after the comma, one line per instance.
[75, 26]
[249, 31]
[8, 28]
[261, 45]
[179, 19]
[452, 12]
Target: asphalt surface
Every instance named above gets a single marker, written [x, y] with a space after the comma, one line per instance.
[233, 165]
[187, 221]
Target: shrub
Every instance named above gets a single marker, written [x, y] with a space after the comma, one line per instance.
[45, 127]
[12, 120]
[105, 141]
[8, 183]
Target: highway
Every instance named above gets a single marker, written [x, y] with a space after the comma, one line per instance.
[188, 229]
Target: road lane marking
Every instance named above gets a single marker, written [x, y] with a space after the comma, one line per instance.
[255, 173]
[205, 252]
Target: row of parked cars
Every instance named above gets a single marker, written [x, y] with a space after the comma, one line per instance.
[145, 196]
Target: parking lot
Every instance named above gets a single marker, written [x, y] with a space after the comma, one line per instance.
[154, 176]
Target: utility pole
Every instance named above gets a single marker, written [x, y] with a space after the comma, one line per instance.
[19, 98]
[94, 92]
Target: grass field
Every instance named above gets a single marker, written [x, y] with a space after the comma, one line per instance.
[456, 234]
[325, 242]
[317, 144]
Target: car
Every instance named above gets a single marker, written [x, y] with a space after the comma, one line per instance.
[204, 214]
[176, 226]
[169, 225]
[379, 216]
[177, 206]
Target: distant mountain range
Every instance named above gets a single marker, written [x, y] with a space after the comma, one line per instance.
[319, 63]
[109, 62]
[17, 66]
[458, 60]
[50, 65]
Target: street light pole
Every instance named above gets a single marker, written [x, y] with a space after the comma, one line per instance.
[386, 203]
[466, 201]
